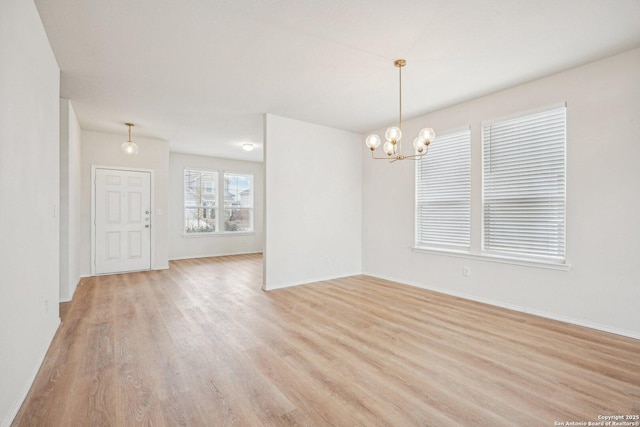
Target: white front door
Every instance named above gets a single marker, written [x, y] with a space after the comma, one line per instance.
[122, 221]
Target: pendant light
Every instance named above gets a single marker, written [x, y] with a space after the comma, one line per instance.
[129, 146]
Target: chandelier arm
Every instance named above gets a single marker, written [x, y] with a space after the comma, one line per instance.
[379, 158]
[391, 159]
[418, 156]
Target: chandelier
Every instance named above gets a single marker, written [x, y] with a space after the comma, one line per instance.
[392, 147]
[129, 146]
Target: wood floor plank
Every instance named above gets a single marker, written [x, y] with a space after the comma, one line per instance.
[201, 344]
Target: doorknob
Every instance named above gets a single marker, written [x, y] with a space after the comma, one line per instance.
[146, 226]
[147, 212]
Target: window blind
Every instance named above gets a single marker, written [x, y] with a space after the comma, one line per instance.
[524, 186]
[443, 193]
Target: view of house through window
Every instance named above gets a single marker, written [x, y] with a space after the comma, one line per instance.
[238, 202]
[200, 201]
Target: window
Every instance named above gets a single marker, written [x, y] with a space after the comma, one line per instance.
[200, 201]
[524, 186]
[238, 202]
[443, 193]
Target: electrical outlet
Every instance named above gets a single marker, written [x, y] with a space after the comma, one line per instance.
[466, 271]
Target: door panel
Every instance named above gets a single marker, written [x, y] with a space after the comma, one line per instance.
[113, 245]
[113, 207]
[122, 221]
[135, 244]
[135, 208]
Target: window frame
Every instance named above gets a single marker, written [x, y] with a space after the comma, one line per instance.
[251, 208]
[220, 209]
[550, 261]
[462, 135]
[216, 207]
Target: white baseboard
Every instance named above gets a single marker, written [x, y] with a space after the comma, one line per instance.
[25, 389]
[213, 255]
[75, 288]
[522, 309]
[307, 281]
[67, 299]
[161, 267]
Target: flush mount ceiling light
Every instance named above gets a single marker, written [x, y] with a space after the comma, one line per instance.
[392, 147]
[129, 146]
[247, 146]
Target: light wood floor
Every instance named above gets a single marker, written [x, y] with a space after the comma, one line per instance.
[201, 345]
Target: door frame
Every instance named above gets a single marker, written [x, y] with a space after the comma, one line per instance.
[93, 212]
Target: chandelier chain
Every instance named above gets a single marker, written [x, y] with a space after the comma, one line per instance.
[400, 115]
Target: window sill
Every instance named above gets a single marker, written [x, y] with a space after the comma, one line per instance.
[494, 258]
[220, 234]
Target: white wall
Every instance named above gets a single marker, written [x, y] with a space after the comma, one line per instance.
[182, 246]
[29, 178]
[70, 187]
[103, 149]
[602, 288]
[313, 196]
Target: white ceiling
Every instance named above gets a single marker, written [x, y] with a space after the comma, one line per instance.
[201, 73]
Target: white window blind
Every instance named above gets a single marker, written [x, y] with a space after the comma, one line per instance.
[524, 186]
[443, 193]
[200, 201]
